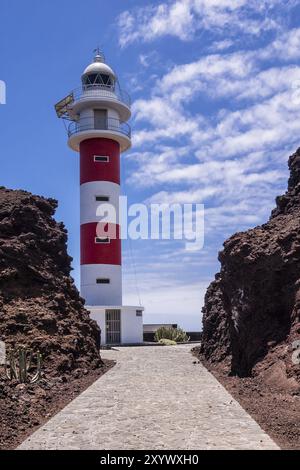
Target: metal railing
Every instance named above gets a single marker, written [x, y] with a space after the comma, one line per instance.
[105, 124]
[103, 91]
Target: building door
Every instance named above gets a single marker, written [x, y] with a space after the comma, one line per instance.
[100, 118]
[113, 326]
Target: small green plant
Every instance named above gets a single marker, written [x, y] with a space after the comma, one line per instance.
[167, 342]
[19, 365]
[174, 334]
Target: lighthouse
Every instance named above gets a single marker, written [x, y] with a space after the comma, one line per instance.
[96, 114]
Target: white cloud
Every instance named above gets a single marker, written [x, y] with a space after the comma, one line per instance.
[212, 66]
[150, 22]
[184, 18]
[237, 76]
[285, 47]
[238, 73]
[149, 58]
[271, 118]
[237, 157]
[211, 177]
[165, 119]
[263, 126]
[221, 45]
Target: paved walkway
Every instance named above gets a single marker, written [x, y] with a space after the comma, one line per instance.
[154, 398]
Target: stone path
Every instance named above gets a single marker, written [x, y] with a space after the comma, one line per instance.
[154, 398]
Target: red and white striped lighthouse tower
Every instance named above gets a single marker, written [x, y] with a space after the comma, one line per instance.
[99, 111]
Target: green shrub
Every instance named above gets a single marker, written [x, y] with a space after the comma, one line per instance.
[174, 334]
[167, 342]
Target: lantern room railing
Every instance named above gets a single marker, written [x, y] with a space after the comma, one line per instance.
[102, 91]
[105, 124]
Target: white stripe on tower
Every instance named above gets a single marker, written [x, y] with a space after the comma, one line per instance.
[90, 200]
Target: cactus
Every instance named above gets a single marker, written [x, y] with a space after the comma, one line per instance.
[174, 334]
[19, 364]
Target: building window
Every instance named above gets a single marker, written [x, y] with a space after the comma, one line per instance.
[101, 158]
[103, 280]
[139, 313]
[104, 240]
[102, 198]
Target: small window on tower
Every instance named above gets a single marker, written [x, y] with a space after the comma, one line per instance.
[101, 158]
[139, 313]
[102, 198]
[102, 240]
[103, 280]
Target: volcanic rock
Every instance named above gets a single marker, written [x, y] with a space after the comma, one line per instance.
[40, 307]
[251, 316]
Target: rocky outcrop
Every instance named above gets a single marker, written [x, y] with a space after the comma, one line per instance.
[40, 306]
[252, 309]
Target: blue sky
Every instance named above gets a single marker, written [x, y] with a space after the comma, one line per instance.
[215, 86]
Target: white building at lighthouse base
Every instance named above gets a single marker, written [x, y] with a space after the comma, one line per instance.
[119, 324]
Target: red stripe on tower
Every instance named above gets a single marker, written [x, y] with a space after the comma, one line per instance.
[99, 253]
[91, 170]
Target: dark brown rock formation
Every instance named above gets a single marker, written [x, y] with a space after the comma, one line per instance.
[40, 306]
[252, 309]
